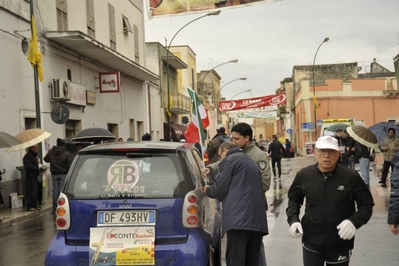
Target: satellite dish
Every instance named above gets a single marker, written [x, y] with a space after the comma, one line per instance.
[184, 120]
[60, 114]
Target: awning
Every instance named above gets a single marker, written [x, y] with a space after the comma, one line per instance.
[96, 51]
[174, 62]
[177, 131]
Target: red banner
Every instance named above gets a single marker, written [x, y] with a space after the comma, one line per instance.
[249, 103]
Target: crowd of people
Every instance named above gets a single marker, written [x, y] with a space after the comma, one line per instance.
[337, 199]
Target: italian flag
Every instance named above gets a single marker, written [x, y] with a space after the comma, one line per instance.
[200, 121]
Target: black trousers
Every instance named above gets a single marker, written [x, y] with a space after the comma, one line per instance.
[39, 193]
[243, 247]
[278, 161]
[31, 192]
[316, 257]
[385, 170]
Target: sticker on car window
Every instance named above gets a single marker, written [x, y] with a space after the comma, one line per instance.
[122, 175]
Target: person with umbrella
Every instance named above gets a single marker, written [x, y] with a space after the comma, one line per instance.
[389, 146]
[32, 170]
[60, 160]
[393, 211]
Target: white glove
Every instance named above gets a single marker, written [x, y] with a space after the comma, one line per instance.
[346, 230]
[296, 230]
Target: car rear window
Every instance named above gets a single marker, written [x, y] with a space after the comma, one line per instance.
[121, 176]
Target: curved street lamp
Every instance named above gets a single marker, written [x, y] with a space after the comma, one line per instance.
[213, 13]
[228, 113]
[314, 89]
[219, 96]
[231, 61]
[230, 82]
[249, 90]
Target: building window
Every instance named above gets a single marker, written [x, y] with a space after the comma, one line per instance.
[62, 15]
[112, 31]
[91, 23]
[72, 128]
[113, 128]
[126, 25]
[136, 44]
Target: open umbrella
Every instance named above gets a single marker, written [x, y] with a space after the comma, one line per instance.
[6, 140]
[93, 134]
[380, 130]
[29, 138]
[364, 136]
[335, 127]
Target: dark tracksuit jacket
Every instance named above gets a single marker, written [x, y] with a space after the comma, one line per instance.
[328, 202]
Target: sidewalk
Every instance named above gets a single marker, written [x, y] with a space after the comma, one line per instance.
[10, 215]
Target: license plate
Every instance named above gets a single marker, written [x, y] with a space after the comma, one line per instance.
[126, 217]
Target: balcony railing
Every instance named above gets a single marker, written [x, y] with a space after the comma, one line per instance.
[180, 103]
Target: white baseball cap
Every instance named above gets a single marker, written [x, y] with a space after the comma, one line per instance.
[327, 142]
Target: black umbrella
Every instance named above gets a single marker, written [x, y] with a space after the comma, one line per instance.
[93, 134]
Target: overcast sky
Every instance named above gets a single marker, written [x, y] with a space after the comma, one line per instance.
[270, 38]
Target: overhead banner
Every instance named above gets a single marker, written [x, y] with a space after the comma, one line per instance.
[249, 103]
[167, 7]
[266, 115]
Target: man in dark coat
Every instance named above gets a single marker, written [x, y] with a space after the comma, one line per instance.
[341, 144]
[350, 151]
[60, 160]
[32, 170]
[238, 185]
[276, 151]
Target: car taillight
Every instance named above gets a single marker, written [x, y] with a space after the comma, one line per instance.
[63, 220]
[191, 211]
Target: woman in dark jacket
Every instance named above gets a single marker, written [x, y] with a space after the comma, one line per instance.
[32, 170]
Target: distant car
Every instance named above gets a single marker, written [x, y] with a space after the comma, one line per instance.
[133, 203]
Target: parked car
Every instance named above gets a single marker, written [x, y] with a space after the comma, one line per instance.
[131, 203]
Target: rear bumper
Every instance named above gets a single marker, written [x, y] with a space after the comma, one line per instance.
[195, 251]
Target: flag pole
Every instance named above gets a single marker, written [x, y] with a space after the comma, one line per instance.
[36, 82]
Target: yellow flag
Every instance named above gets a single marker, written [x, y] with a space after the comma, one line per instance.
[315, 103]
[34, 55]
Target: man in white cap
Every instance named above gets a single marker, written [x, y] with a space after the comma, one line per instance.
[337, 203]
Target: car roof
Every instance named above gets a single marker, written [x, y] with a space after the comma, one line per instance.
[145, 145]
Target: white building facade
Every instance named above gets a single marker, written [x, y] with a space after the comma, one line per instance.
[94, 50]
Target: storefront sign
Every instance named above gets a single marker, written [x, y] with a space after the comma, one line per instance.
[77, 94]
[91, 97]
[109, 82]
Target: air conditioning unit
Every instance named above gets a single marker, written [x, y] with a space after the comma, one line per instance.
[60, 91]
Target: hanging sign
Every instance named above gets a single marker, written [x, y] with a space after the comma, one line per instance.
[249, 103]
[109, 82]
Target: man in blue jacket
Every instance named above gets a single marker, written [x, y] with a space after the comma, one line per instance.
[239, 186]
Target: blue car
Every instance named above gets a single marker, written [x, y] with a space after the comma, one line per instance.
[136, 203]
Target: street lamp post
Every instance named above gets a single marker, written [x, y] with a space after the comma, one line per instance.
[231, 61]
[314, 89]
[219, 96]
[213, 13]
[228, 113]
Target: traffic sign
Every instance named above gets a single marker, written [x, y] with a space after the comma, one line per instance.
[308, 126]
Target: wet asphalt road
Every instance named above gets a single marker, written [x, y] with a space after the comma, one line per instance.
[25, 243]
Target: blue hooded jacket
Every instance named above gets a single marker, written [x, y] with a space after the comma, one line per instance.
[239, 186]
